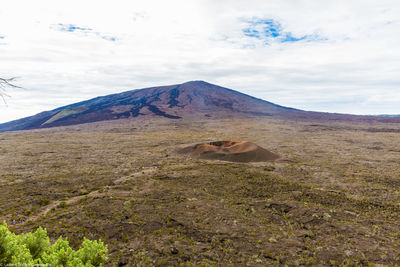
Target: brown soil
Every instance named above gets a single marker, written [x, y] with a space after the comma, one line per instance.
[230, 151]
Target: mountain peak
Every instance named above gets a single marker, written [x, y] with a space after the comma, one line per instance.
[197, 82]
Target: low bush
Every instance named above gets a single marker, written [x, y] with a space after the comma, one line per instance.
[35, 249]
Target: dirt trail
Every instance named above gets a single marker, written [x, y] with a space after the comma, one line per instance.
[146, 171]
[56, 203]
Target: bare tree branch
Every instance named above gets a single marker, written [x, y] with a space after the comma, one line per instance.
[6, 83]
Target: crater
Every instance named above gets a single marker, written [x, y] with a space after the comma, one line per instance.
[235, 151]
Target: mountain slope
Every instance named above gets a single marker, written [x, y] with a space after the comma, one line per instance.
[195, 99]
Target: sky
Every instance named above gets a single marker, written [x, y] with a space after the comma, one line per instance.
[338, 56]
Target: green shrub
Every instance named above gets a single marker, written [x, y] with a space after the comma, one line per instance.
[35, 248]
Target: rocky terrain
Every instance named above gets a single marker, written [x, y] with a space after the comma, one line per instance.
[331, 199]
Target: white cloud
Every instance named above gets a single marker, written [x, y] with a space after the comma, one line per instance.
[166, 42]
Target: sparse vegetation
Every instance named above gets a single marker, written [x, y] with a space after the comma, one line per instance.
[34, 249]
[332, 200]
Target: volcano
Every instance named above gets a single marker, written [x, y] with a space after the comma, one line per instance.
[190, 100]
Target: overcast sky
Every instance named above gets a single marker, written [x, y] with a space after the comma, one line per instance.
[335, 56]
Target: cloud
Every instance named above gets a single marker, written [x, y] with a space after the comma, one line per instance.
[314, 55]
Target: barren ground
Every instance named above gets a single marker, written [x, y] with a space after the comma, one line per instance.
[333, 199]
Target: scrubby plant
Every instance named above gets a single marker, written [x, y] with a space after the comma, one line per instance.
[35, 249]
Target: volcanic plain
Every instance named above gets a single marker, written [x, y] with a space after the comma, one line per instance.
[331, 198]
